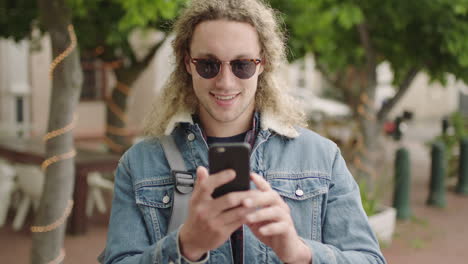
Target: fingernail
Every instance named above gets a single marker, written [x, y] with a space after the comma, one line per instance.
[248, 202]
[262, 230]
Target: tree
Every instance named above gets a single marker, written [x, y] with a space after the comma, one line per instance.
[350, 38]
[66, 87]
[16, 19]
[106, 26]
[103, 27]
[99, 24]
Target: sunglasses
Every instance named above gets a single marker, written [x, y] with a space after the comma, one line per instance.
[241, 68]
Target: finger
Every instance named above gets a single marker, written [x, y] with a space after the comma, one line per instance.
[215, 207]
[273, 214]
[230, 220]
[275, 228]
[262, 199]
[230, 200]
[236, 215]
[261, 183]
[233, 226]
[217, 179]
[202, 176]
[254, 227]
[209, 183]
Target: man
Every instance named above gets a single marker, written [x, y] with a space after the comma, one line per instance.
[305, 207]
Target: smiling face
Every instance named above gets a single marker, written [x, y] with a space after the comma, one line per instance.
[225, 100]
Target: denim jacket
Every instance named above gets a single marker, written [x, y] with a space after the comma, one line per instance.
[306, 169]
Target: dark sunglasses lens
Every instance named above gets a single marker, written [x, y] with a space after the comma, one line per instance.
[243, 69]
[207, 68]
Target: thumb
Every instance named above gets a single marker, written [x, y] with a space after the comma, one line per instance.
[202, 174]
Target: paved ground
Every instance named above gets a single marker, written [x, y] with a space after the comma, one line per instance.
[432, 236]
[15, 246]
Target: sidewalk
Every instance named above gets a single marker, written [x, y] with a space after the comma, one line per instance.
[15, 246]
[434, 235]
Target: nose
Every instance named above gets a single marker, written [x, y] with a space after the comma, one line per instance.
[225, 77]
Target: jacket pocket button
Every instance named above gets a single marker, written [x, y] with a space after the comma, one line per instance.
[299, 192]
[166, 199]
[191, 137]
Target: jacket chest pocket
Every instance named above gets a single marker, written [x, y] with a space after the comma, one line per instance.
[304, 193]
[154, 199]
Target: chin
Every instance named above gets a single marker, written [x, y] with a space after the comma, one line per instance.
[226, 118]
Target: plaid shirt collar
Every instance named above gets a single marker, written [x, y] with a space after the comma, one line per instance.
[265, 120]
[249, 136]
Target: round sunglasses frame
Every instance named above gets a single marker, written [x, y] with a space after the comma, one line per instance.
[220, 62]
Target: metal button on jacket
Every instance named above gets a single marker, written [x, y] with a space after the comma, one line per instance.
[191, 137]
[299, 192]
[166, 199]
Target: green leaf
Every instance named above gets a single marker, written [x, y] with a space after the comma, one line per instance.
[349, 16]
[460, 9]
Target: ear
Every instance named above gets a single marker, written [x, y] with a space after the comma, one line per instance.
[187, 64]
[262, 67]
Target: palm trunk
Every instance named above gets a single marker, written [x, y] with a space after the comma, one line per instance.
[60, 178]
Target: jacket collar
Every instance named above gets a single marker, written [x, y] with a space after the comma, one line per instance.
[268, 121]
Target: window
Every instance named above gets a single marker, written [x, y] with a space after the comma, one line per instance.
[94, 80]
[19, 110]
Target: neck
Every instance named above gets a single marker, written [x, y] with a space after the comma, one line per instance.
[214, 128]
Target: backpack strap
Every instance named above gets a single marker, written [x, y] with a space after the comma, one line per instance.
[184, 182]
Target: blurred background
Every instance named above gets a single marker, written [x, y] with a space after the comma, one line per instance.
[386, 80]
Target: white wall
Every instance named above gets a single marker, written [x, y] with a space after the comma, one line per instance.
[40, 82]
[14, 82]
[150, 83]
[429, 101]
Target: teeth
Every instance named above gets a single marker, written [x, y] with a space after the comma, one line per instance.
[225, 97]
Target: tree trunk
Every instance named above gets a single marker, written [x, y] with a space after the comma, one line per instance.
[60, 178]
[369, 128]
[370, 150]
[117, 138]
[358, 86]
[366, 113]
[366, 155]
[372, 157]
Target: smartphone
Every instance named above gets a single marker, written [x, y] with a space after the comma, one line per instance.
[234, 156]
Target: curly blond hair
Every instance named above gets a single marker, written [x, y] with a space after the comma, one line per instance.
[178, 96]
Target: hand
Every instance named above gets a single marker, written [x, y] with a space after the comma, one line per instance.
[272, 224]
[211, 221]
